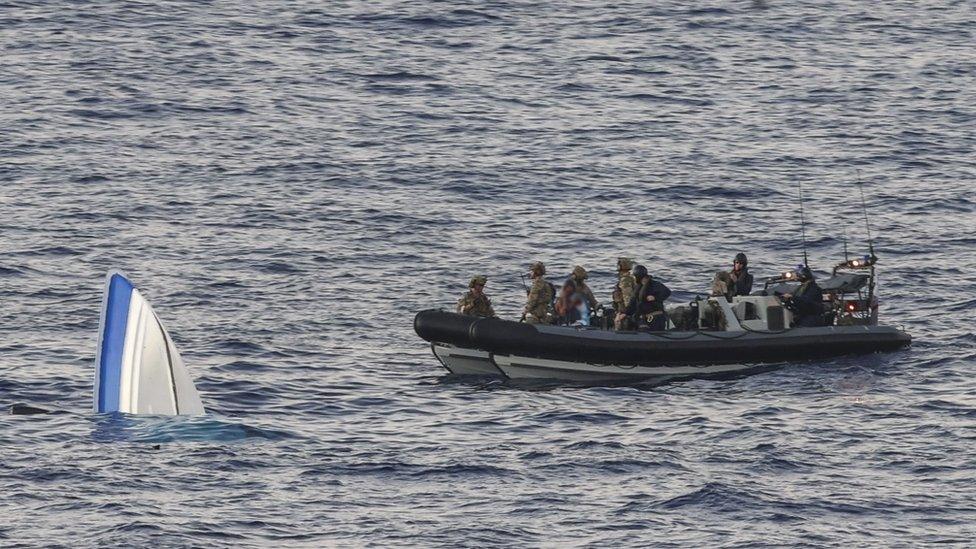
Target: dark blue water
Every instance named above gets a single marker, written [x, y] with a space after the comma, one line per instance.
[290, 181]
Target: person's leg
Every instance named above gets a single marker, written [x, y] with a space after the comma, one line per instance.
[657, 323]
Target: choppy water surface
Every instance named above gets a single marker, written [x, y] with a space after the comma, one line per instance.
[289, 182]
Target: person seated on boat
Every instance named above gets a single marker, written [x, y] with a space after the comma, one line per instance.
[539, 300]
[475, 302]
[623, 292]
[806, 302]
[722, 286]
[646, 309]
[571, 306]
[579, 277]
[740, 275]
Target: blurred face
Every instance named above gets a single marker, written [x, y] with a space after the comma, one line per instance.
[478, 289]
[737, 265]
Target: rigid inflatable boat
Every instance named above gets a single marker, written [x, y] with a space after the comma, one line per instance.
[755, 331]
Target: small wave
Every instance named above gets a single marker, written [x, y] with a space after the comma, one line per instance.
[158, 430]
[401, 76]
[654, 98]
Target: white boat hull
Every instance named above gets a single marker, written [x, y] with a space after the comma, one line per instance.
[517, 367]
[465, 362]
[472, 362]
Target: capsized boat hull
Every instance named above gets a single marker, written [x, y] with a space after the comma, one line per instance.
[521, 350]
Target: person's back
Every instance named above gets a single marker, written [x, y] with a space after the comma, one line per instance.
[806, 302]
[741, 278]
[722, 286]
[579, 277]
[624, 292]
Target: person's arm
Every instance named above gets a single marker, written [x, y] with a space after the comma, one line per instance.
[659, 292]
[744, 284]
[663, 293]
[807, 302]
[591, 301]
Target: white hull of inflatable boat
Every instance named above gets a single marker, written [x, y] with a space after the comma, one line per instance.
[517, 367]
[472, 362]
[465, 362]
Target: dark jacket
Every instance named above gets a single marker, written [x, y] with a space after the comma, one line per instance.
[807, 304]
[742, 286]
[639, 304]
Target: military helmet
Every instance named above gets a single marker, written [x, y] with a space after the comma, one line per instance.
[640, 272]
[580, 273]
[624, 263]
[479, 280]
[741, 258]
[537, 268]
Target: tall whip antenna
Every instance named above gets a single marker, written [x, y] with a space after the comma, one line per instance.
[803, 229]
[864, 208]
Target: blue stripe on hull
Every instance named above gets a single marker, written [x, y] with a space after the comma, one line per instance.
[113, 343]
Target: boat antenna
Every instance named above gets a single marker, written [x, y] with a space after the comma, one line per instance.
[846, 257]
[864, 208]
[803, 230]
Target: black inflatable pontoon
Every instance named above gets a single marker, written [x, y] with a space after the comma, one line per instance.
[467, 344]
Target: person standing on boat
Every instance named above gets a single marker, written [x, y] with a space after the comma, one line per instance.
[741, 277]
[806, 302]
[647, 306]
[623, 292]
[475, 302]
[579, 277]
[540, 296]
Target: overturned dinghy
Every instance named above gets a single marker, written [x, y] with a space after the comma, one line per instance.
[137, 367]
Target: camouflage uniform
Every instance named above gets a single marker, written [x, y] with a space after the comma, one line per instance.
[625, 290]
[723, 286]
[476, 305]
[579, 275]
[540, 297]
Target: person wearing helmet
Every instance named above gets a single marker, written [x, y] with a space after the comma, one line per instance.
[806, 302]
[646, 308]
[741, 277]
[623, 292]
[475, 302]
[540, 296]
[579, 277]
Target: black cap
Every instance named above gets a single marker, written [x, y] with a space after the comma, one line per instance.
[640, 272]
